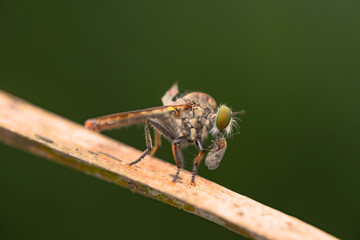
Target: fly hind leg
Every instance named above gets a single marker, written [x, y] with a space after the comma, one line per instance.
[175, 143]
[158, 126]
[148, 144]
[178, 157]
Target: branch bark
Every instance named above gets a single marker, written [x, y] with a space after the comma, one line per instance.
[43, 133]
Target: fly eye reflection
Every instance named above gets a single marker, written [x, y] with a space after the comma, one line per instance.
[223, 117]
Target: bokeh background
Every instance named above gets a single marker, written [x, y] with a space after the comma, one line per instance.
[292, 65]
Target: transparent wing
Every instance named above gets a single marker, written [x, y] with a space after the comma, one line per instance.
[216, 153]
[119, 120]
[167, 99]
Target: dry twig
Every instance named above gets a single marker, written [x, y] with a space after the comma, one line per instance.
[40, 132]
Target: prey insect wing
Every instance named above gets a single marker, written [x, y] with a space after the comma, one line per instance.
[119, 120]
[167, 99]
[216, 153]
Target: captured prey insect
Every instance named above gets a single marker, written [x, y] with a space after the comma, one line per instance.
[183, 121]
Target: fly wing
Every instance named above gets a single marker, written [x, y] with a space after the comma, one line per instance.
[216, 153]
[119, 120]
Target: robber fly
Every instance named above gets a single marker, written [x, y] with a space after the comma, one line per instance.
[183, 121]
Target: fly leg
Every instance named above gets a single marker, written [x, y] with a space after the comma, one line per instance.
[159, 129]
[157, 143]
[179, 159]
[175, 144]
[197, 161]
[148, 144]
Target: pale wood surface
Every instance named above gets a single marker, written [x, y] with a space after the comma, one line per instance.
[46, 134]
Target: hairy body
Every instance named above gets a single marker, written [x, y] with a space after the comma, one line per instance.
[187, 120]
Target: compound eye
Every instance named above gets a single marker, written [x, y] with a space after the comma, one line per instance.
[223, 117]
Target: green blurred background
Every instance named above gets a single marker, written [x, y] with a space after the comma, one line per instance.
[292, 65]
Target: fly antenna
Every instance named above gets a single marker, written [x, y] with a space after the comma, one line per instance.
[240, 113]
